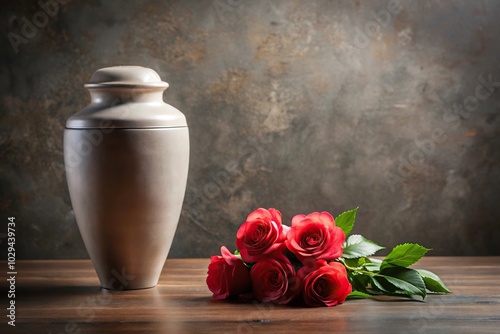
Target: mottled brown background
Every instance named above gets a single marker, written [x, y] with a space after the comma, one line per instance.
[289, 106]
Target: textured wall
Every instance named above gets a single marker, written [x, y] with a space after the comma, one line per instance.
[392, 106]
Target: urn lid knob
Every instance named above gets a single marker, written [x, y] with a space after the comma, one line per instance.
[126, 76]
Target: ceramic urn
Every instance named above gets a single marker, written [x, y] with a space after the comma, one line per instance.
[126, 157]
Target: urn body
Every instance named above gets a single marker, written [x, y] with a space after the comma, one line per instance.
[126, 158]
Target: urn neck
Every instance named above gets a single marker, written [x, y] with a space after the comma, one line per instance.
[124, 94]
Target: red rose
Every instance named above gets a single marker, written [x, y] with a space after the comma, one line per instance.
[324, 284]
[227, 275]
[315, 235]
[274, 279]
[260, 234]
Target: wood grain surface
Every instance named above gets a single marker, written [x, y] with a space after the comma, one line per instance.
[64, 297]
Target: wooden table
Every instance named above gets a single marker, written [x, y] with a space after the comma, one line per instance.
[64, 297]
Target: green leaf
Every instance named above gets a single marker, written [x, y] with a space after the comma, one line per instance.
[355, 262]
[379, 285]
[432, 282]
[359, 281]
[407, 281]
[237, 252]
[346, 221]
[373, 265]
[358, 246]
[404, 255]
[358, 295]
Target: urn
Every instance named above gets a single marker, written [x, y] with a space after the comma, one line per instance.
[126, 157]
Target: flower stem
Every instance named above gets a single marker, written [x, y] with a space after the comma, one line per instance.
[366, 272]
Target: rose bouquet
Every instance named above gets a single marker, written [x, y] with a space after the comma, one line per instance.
[314, 262]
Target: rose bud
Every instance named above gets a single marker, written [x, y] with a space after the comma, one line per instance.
[227, 275]
[324, 284]
[274, 279]
[260, 234]
[316, 236]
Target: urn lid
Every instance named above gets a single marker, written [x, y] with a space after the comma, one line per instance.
[126, 97]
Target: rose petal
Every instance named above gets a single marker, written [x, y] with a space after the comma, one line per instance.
[260, 213]
[297, 219]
